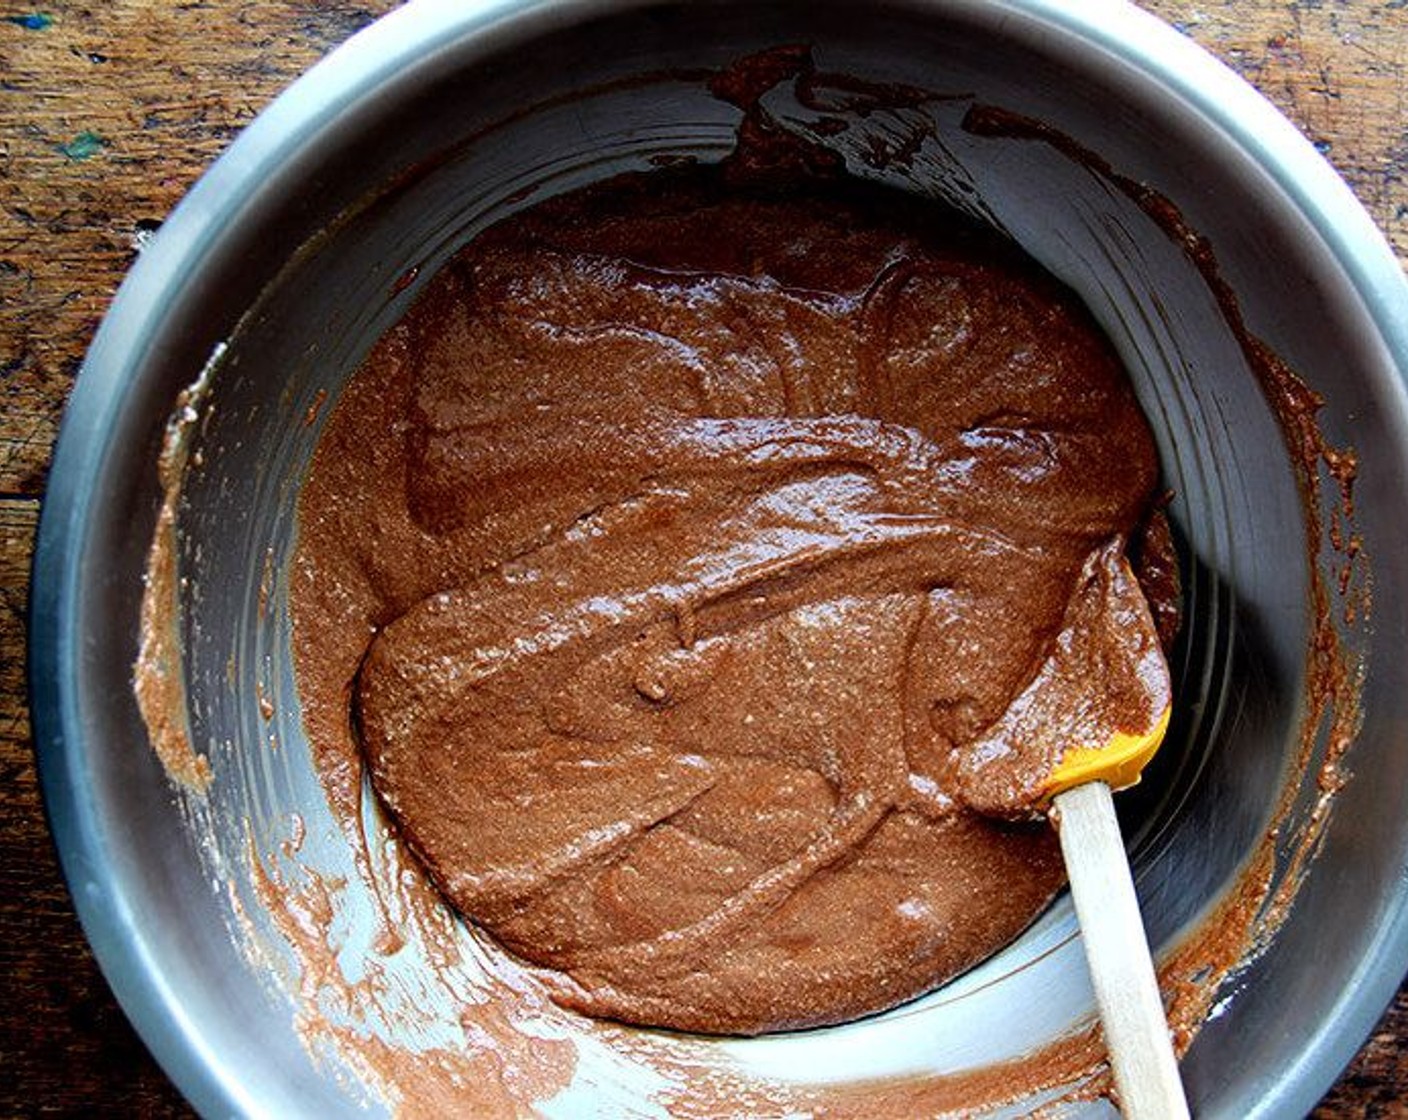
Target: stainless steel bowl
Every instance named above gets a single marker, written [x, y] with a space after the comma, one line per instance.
[286, 262]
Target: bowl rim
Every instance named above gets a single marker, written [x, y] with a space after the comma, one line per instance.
[334, 86]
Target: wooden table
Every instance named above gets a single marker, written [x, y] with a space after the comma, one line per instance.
[109, 111]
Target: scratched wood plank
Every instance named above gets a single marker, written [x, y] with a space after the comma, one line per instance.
[113, 109]
[108, 112]
[1338, 69]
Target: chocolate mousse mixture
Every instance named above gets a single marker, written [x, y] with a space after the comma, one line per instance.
[702, 570]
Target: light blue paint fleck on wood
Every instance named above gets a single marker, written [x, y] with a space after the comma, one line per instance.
[32, 21]
[83, 146]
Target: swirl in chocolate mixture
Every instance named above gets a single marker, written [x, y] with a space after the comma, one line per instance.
[688, 558]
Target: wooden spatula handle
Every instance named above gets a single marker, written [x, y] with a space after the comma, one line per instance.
[1117, 950]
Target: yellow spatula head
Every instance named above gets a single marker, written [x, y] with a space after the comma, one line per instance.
[1096, 708]
[1118, 763]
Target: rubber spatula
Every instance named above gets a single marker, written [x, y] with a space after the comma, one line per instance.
[1099, 709]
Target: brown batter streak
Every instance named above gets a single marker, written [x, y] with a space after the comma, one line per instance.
[692, 564]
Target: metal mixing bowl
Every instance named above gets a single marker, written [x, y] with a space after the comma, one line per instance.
[284, 264]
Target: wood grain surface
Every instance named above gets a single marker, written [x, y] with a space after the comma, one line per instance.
[109, 111]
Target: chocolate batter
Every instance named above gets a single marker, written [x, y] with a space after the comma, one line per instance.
[692, 564]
